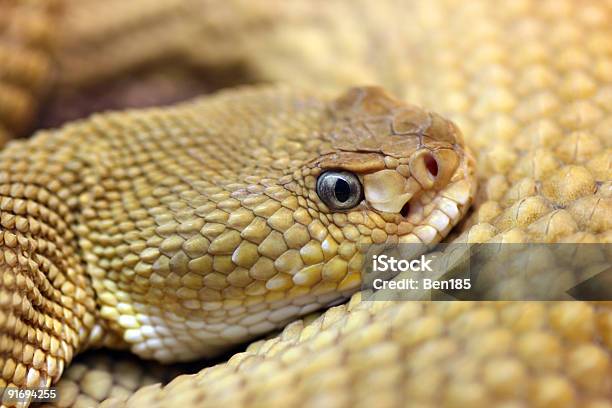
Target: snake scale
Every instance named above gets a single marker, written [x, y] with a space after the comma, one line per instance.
[178, 231]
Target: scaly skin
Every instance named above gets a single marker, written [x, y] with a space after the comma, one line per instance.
[26, 43]
[529, 85]
[104, 39]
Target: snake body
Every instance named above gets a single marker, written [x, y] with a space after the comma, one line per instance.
[179, 231]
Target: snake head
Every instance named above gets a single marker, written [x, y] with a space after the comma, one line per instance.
[234, 214]
[402, 173]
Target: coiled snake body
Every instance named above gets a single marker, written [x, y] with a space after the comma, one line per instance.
[177, 232]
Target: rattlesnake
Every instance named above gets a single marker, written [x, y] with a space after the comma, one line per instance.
[528, 84]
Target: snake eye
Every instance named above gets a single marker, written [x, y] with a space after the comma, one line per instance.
[339, 190]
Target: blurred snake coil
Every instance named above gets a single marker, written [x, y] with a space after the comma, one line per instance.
[178, 232]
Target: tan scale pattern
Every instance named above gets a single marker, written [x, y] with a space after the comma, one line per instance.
[529, 85]
[94, 377]
[47, 310]
[27, 40]
[424, 354]
[101, 40]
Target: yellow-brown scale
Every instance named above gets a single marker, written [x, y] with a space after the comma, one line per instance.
[105, 39]
[47, 309]
[27, 41]
[95, 377]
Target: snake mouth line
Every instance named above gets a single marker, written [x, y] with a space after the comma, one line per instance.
[405, 211]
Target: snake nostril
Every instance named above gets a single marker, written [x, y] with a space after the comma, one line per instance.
[405, 210]
[431, 164]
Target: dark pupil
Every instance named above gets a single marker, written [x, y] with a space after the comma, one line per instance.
[342, 190]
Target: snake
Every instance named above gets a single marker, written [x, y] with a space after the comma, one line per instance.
[182, 232]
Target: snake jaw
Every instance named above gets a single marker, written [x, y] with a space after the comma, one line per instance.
[389, 191]
[433, 210]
